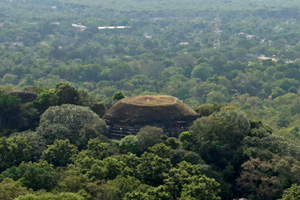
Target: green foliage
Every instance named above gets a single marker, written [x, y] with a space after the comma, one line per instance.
[180, 155]
[66, 94]
[202, 188]
[152, 168]
[187, 181]
[129, 143]
[13, 151]
[76, 123]
[50, 196]
[118, 95]
[159, 192]
[10, 189]
[291, 193]
[45, 99]
[166, 51]
[108, 169]
[37, 176]
[172, 142]
[162, 150]
[9, 102]
[99, 149]
[202, 71]
[259, 180]
[187, 140]
[218, 138]
[36, 141]
[118, 187]
[72, 180]
[10, 106]
[131, 161]
[149, 136]
[205, 110]
[60, 153]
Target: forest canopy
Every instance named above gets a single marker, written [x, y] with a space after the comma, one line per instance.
[65, 63]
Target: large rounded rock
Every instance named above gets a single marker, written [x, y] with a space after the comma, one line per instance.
[147, 109]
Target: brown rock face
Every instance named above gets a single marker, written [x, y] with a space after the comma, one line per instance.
[148, 109]
[25, 96]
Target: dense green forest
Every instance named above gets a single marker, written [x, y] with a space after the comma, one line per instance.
[59, 73]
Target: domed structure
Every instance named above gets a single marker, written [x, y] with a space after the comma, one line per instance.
[128, 115]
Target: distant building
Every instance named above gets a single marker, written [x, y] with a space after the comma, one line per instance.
[184, 43]
[113, 27]
[263, 57]
[288, 62]
[158, 18]
[16, 43]
[250, 36]
[147, 36]
[12, 43]
[79, 26]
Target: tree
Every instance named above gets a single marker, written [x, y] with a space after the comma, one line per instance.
[50, 196]
[204, 110]
[152, 169]
[108, 169]
[202, 188]
[180, 155]
[186, 181]
[36, 141]
[76, 123]
[99, 149]
[218, 138]
[13, 151]
[216, 97]
[118, 95]
[8, 102]
[258, 179]
[117, 188]
[131, 161]
[10, 189]
[66, 94]
[72, 180]
[218, 63]
[149, 193]
[45, 99]
[292, 193]
[37, 176]
[162, 150]
[129, 143]
[187, 140]
[149, 136]
[9, 109]
[59, 154]
[51, 132]
[120, 71]
[202, 71]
